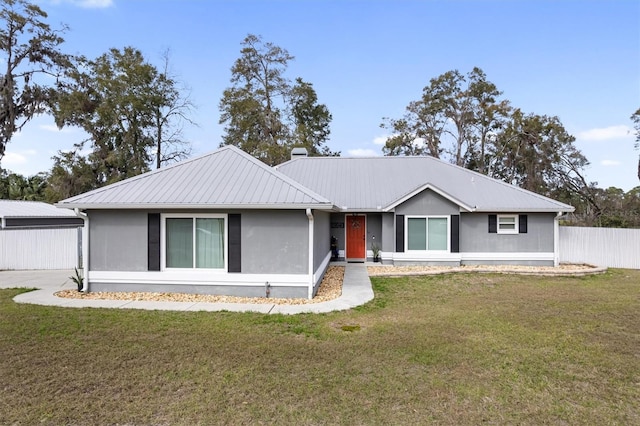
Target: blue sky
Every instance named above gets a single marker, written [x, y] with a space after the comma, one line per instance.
[578, 60]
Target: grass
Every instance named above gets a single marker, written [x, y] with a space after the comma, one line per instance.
[453, 349]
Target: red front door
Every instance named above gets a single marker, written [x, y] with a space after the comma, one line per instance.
[356, 237]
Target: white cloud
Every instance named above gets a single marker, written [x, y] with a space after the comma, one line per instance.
[608, 163]
[419, 142]
[380, 140]
[96, 3]
[54, 128]
[88, 4]
[359, 152]
[606, 133]
[12, 159]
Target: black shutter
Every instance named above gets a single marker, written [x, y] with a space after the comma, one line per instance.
[493, 224]
[153, 242]
[522, 224]
[400, 233]
[235, 249]
[455, 233]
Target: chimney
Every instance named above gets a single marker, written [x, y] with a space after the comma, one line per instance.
[298, 152]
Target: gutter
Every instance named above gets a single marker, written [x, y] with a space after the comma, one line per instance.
[85, 249]
[166, 206]
[556, 238]
[310, 216]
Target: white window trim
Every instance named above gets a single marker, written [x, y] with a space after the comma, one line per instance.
[515, 229]
[406, 233]
[163, 240]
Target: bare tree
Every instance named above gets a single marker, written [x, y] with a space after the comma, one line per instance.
[171, 114]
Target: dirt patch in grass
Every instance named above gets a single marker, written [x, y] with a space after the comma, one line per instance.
[330, 288]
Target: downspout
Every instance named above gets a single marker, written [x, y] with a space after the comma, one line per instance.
[310, 216]
[556, 239]
[85, 249]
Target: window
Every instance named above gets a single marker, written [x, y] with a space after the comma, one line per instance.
[195, 242]
[428, 233]
[507, 224]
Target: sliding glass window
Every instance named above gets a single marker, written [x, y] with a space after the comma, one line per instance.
[428, 233]
[195, 242]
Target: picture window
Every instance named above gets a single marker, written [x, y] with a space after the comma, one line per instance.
[196, 242]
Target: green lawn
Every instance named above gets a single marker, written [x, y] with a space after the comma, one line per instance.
[453, 349]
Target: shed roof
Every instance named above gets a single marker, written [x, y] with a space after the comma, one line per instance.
[31, 209]
[381, 183]
[226, 178]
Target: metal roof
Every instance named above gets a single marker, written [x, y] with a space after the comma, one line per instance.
[226, 178]
[31, 209]
[382, 183]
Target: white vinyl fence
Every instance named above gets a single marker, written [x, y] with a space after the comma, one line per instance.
[22, 249]
[611, 247]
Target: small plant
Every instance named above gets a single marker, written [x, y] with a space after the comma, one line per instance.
[334, 248]
[77, 279]
[376, 252]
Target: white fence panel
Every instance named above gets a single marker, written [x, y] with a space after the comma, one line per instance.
[22, 249]
[611, 247]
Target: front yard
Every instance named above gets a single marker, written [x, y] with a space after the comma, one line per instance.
[450, 349]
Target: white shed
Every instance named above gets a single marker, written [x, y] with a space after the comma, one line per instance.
[36, 235]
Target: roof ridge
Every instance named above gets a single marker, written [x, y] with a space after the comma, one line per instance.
[227, 148]
[446, 163]
[145, 175]
[273, 171]
[333, 158]
[463, 174]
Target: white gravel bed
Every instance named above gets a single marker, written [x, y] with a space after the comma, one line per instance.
[330, 288]
[561, 270]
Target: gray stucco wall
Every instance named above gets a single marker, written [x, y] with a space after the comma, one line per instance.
[428, 203]
[275, 242]
[321, 237]
[337, 229]
[374, 230]
[117, 240]
[475, 236]
[388, 232]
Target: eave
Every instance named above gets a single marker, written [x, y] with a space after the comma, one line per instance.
[567, 209]
[170, 206]
[433, 188]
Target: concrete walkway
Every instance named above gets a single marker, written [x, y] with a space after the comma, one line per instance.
[356, 291]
